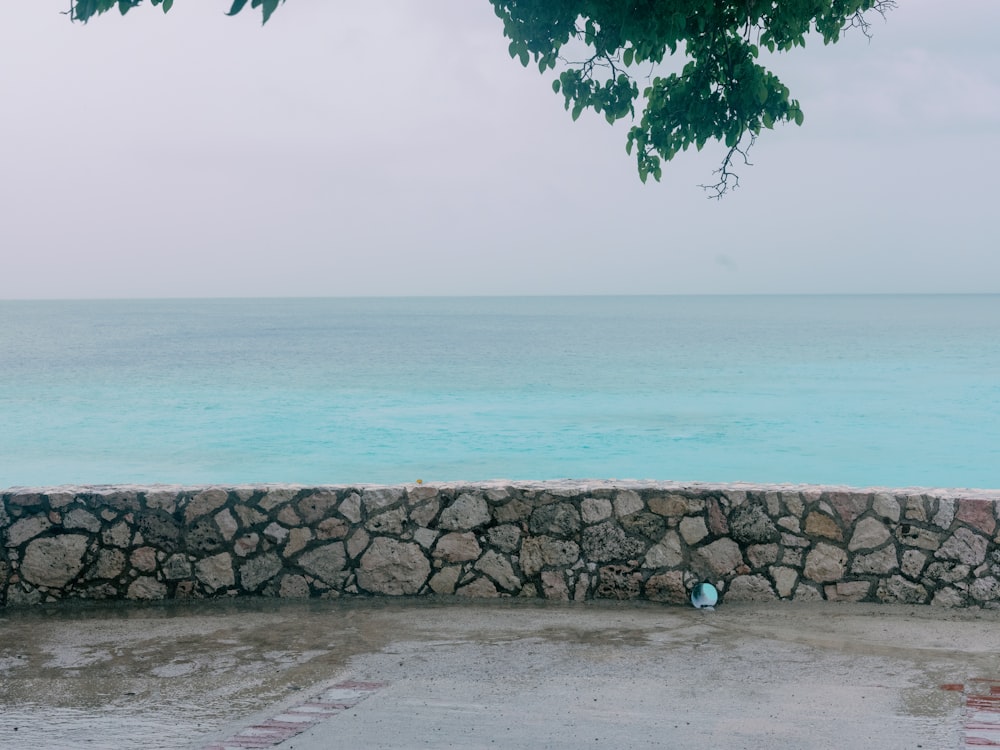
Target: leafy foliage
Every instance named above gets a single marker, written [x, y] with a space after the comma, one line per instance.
[721, 94]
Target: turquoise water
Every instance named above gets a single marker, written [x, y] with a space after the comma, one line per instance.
[893, 390]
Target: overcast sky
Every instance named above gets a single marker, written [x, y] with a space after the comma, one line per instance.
[394, 148]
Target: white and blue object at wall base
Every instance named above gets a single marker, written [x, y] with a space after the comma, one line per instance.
[704, 596]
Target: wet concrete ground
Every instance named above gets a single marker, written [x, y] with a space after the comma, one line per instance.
[494, 674]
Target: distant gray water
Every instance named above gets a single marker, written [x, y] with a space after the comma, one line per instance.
[861, 390]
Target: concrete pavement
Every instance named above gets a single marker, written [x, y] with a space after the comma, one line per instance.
[392, 673]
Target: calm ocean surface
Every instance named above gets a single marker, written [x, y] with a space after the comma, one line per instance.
[868, 390]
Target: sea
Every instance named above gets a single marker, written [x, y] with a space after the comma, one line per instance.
[852, 390]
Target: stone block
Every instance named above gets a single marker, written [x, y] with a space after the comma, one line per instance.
[457, 547]
[205, 502]
[627, 502]
[393, 567]
[693, 529]
[328, 562]
[595, 509]
[750, 524]
[499, 570]
[53, 561]
[216, 572]
[541, 552]
[468, 512]
[869, 533]
[750, 588]
[846, 591]
[315, 507]
[557, 519]
[965, 546]
[822, 525]
[27, 528]
[825, 563]
[898, 589]
[721, 557]
[607, 541]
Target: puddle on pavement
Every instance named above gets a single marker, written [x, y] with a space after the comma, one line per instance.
[165, 676]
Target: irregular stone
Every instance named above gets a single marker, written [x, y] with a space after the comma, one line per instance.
[750, 524]
[332, 528]
[389, 523]
[159, 530]
[227, 524]
[667, 554]
[498, 568]
[978, 514]
[25, 529]
[915, 509]
[819, 524]
[825, 563]
[205, 502]
[350, 508]
[557, 519]
[506, 538]
[203, 538]
[481, 588]
[249, 516]
[716, 518]
[26, 499]
[721, 557]
[515, 510]
[53, 561]
[948, 597]
[671, 506]
[869, 533]
[146, 587]
[949, 572]
[143, 559]
[327, 563]
[760, 555]
[849, 505]
[751, 588]
[914, 536]
[554, 586]
[667, 587]
[466, 513]
[793, 503]
[457, 547]
[177, 567]
[846, 591]
[879, 562]
[421, 493]
[595, 509]
[110, 564]
[60, 499]
[693, 529]
[618, 582]
[582, 588]
[424, 537]
[898, 589]
[164, 500]
[790, 523]
[626, 503]
[246, 545]
[886, 506]
[359, 542]
[965, 546]
[294, 587]
[276, 497]
[258, 570]
[945, 514]
[445, 580]
[317, 506]
[215, 572]
[298, 538]
[607, 541]
[288, 517]
[541, 551]
[275, 532]
[78, 518]
[644, 524]
[985, 589]
[784, 580]
[913, 562]
[791, 540]
[806, 593]
[118, 535]
[374, 500]
[424, 515]
[393, 567]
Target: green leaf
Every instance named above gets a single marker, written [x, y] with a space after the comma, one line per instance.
[269, 7]
[167, 5]
[628, 55]
[237, 7]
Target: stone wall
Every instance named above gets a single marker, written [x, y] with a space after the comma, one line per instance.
[557, 540]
